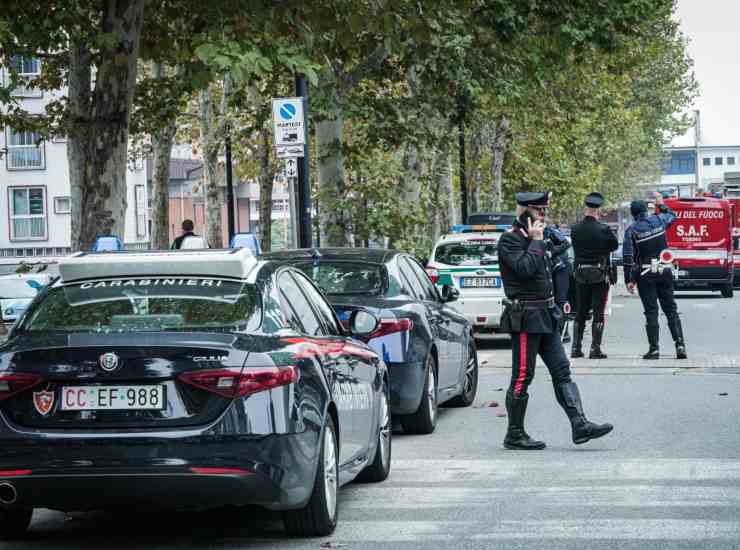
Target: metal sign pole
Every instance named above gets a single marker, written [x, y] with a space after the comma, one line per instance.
[303, 184]
[293, 237]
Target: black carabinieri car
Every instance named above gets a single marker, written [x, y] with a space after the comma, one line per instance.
[428, 346]
[188, 379]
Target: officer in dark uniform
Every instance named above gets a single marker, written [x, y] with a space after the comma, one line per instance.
[593, 243]
[557, 247]
[531, 317]
[644, 240]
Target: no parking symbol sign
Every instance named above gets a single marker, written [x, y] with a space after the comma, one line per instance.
[288, 123]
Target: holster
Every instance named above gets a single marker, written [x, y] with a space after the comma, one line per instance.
[515, 311]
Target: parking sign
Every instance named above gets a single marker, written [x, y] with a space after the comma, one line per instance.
[288, 125]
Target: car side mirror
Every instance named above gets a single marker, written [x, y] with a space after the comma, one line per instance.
[449, 293]
[362, 323]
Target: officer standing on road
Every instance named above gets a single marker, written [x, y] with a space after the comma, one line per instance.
[644, 240]
[557, 246]
[593, 242]
[531, 317]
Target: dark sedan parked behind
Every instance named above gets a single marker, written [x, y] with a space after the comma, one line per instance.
[187, 379]
[427, 345]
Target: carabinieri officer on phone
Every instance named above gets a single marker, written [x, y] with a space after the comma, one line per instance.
[531, 316]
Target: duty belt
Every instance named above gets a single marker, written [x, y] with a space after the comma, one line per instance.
[530, 304]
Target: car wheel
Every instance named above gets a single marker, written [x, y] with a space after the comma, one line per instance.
[380, 467]
[319, 517]
[728, 291]
[424, 420]
[14, 523]
[470, 384]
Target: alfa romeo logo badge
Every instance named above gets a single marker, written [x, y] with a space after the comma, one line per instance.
[108, 362]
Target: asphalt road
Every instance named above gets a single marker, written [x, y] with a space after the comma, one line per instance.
[667, 477]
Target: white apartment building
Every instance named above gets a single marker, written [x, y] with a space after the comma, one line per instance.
[34, 185]
[681, 171]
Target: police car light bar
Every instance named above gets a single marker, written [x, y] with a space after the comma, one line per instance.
[463, 228]
[235, 264]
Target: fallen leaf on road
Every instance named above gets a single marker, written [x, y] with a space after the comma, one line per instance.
[493, 404]
[499, 389]
[484, 362]
[501, 414]
[487, 404]
[333, 545]
[724, 393]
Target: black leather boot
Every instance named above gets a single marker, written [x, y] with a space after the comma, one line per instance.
[677, 333]
[516, 438]
[597, 333]
[584, 430]
[653, 331]
[577, 349]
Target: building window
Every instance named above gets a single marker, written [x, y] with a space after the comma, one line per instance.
[26, 66]
[62, 205]
[28, 69]
[718, 161]
[731, 161]
[27, 213]
[140, 203]
[679, 162]
[23, 153]
[707, 161]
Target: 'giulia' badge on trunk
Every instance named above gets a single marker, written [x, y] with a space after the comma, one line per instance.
[108, 362]
[43, 401]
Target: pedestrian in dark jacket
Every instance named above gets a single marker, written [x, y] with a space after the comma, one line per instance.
[644, 240]
[593, 243]
[531, 317]
[557, 247]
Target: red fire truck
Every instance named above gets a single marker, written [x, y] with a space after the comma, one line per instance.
[702, 244]
[731, 192]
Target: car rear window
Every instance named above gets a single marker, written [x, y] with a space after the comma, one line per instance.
[147, 305]
[467, 253]
[345, 277]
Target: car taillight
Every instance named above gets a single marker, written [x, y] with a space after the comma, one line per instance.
[390, 326]
[433, 274]
[233, 382]
[16, 382]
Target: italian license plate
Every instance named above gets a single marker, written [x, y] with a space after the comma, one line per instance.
[112, 398]
[480, 282]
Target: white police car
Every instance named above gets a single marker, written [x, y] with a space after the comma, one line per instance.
[467, 258]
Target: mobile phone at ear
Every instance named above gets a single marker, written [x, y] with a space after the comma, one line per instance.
[526, 217]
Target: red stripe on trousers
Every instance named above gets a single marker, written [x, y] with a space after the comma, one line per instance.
[522, 363]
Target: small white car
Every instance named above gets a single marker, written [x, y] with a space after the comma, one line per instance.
[467, 259]
[17, 291]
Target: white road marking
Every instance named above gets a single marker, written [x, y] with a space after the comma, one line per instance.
[606, 529]
[436, 471]
[652, 496]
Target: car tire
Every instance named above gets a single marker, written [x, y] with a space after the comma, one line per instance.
[728, 291]
[14, 523]
[424, 420]
[380, 467]
[319, 517]
[470, 384]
